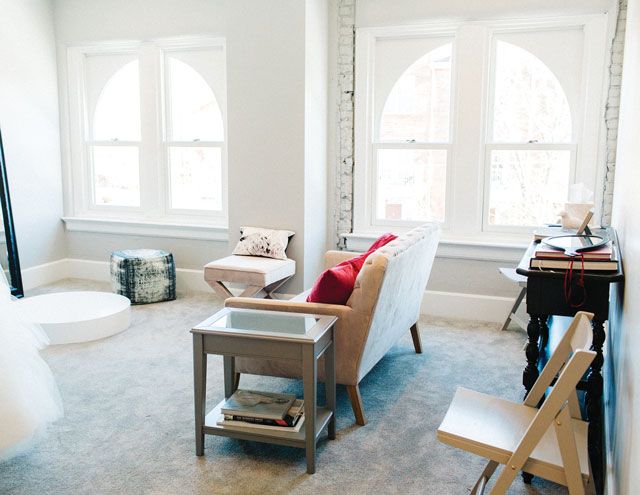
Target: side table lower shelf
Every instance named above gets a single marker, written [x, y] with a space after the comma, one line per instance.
[287, 438]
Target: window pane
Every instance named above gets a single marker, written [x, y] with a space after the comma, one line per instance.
[527, 188]
[530, 104]
[195, 113]
[117, 111]
[116, 175]
[418, 105]
[196, 178]
[411, 184]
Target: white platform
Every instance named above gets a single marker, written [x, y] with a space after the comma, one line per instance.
[69, 317]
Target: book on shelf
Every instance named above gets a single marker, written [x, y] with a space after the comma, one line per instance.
[254, 404]
[290, 419]
[603, 253]
[295, 413]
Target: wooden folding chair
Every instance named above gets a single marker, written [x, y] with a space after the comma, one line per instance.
[520, 436]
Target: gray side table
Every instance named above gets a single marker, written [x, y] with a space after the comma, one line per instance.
[235, 332]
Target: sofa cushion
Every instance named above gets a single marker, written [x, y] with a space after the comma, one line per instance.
[334, 285]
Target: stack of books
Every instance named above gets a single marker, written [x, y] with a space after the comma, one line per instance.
[601, 259]
[249, 410]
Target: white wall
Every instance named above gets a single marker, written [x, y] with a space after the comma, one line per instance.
[266, 90]
[30, 128]
[316, 94]
[269, 89]
[394, 12]
[623, 362]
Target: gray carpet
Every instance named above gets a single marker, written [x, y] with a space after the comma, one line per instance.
[128, 425]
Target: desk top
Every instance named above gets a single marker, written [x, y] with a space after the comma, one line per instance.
[608, 277]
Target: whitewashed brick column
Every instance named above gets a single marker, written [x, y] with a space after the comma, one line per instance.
[346, 61]
[612, 109]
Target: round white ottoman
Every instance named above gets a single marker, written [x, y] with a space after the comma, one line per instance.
[69, 317]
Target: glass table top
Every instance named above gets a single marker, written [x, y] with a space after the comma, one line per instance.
[261, 321]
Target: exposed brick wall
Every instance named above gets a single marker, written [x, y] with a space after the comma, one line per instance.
[612, 109]
[346, 59]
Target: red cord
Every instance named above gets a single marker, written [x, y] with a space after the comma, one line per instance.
[567, 286]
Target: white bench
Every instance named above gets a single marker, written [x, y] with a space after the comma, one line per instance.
[261, 276]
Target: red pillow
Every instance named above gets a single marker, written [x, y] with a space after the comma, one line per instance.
[335, 285]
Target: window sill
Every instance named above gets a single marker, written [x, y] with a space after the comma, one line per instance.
[484, 247]
[146, 228]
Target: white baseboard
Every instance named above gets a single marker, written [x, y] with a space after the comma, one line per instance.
[186, 279]
[476, 307]
[44, 274]
[434, 303]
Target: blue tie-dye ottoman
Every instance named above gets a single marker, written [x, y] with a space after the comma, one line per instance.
[143, 275]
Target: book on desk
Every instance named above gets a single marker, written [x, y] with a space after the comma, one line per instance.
[545, 257]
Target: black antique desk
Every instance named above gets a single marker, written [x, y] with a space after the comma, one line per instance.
[546, 299]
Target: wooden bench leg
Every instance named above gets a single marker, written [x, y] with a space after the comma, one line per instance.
[415, 335]
[356, 404]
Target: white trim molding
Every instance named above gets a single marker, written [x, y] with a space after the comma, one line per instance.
[146, 228]
[450, 305]
[503, 249]
[187, 280]
[460, 306]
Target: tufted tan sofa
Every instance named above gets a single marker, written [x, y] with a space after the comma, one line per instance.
[385, 303]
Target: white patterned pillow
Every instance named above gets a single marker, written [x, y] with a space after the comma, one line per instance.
[269, 243]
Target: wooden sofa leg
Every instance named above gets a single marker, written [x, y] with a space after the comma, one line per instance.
[356, 404]
[415, 335]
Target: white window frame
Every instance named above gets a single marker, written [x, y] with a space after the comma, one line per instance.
[155, 216]
[467, 167]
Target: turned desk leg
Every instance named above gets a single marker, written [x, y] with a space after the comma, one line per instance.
[532, 351]
[537, 326]
[593, 403]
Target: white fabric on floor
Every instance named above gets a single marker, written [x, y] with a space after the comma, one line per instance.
[29, 397]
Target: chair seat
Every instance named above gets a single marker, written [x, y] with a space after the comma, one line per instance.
[250, 270]
[514, 276]
[492, 428]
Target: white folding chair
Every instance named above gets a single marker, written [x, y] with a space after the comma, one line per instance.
[512, 275]
[521, 436]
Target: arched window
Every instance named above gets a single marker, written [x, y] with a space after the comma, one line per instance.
[114, 147]
[150, 139]
[419, 103]
[482, 126]
[196, 138]
[411, 175]
[530, 155]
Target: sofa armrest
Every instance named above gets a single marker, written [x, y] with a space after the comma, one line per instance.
[332, 258]
[288, 306]
[350, 331]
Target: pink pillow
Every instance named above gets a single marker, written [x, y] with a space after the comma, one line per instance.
[335, 285]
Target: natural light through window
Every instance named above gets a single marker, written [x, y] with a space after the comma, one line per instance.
[482, 126]
[195, 117]
[116, 134]
[419, 104]
[529, 182]
[411, 174]
[148, 132]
